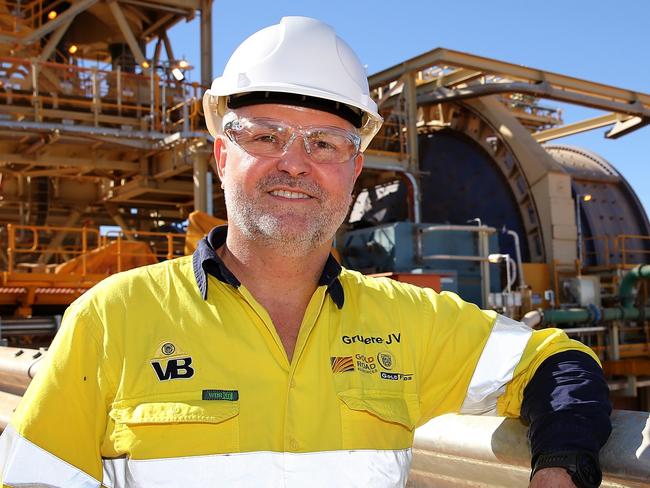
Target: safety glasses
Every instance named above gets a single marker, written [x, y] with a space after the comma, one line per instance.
[272, 138]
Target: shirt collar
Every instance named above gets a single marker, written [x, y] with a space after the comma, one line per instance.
[205, 261]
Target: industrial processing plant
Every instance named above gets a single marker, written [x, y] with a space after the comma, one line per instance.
[105, 165]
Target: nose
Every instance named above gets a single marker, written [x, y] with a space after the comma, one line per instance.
[295, 159]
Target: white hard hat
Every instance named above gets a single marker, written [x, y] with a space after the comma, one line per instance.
[299, 61]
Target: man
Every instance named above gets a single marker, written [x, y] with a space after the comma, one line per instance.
[259, 361]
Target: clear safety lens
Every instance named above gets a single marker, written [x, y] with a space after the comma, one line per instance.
[272, 138]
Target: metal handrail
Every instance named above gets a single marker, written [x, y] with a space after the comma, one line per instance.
[617, 253]
[620, 246]
[31, 14]
[14, 246]
[172, 244]
[120, 236]
[483, 250]
[41, 84]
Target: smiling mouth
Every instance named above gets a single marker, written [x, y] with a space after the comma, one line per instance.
[289, 194]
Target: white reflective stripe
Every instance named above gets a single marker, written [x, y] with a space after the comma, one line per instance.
[25, 464]
[351, 469]
[496, 365]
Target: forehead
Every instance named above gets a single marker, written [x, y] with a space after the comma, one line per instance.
[293, 115]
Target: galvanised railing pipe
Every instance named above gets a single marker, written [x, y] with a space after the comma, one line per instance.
[626, 289]
[471, 451]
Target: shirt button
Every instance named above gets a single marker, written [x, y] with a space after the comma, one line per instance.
[293, 444]
[292, 384]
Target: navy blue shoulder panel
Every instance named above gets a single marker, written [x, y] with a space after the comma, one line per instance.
[566, 405]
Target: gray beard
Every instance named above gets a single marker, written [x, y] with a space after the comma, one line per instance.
[262, 226]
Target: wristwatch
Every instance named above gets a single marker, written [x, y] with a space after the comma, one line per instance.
[583, 466]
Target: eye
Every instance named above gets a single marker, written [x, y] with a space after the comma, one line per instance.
[269, 138]
[324, 141]
[323, 145]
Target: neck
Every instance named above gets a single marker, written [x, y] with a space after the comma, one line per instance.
[263, 268]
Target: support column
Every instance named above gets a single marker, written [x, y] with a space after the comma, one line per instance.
[200, 171]
[54, 40]
[123, 24]
[206, 42]
[410, 90]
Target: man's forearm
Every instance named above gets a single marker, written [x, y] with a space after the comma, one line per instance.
[567, 406]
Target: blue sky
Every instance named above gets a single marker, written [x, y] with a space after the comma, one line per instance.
[597, 40]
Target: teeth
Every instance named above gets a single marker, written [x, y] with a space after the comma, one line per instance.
[288, 194]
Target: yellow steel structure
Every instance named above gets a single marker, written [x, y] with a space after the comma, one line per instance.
[94, 133]
[117, 140]
[496, 104]
[91, 258]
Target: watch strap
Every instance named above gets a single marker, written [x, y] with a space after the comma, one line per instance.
[583, 466]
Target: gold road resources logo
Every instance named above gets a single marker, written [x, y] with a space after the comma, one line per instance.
[385, 359]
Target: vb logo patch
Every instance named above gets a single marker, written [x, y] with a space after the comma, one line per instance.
[172, 368]
[342, 364]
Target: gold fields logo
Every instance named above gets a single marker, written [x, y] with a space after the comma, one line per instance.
[342, 364]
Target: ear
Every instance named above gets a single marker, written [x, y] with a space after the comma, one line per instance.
[220, 156]
[358, 166]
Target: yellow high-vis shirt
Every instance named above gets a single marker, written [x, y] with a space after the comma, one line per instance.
[173, 375]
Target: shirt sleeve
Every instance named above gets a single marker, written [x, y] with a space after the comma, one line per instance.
[479, 362]
[566, 405]
[54, 437]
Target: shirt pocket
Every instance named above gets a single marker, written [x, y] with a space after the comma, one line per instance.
[376, 419]
[157, 429]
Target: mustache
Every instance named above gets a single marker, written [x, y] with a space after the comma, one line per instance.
[311, 188]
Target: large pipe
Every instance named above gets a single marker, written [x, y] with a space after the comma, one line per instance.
[626, 289]
[593, 314]
[520, 266]
[17, 368]
[468, 450]
[8, 403]
[33, 326]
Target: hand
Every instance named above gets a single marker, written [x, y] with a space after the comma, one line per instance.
[552, 478]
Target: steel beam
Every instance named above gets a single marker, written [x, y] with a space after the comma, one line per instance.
[127, 32]
[177, 7]
[576, 128]
[625, 127]
[541, 90]
[134, 188]
[168, 48]
[158, 25]
[206, 42]
[448, 57]
[456, 77]
[51, 25]
[69, 161]
[107, 132]
[54, 40]
[57, 172]
[114, 213]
